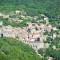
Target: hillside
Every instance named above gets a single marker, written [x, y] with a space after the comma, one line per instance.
[11, 49]
[33, 7]
[49, 8]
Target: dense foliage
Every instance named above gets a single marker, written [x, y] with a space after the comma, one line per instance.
[50, 8]
[52, 51]
[12, 49]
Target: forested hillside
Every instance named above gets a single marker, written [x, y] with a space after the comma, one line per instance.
[33, 7]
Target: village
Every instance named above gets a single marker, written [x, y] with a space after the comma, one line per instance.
[32, 34]
[34, 31]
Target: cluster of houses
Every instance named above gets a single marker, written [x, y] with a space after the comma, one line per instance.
[32, 34]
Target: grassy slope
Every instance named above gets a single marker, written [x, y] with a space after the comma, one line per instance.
[11, 49]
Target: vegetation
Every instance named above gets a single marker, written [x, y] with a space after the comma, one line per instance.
[12, 49]
[33, 7]
[13, 23]
[52, 52]
[48, 52]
